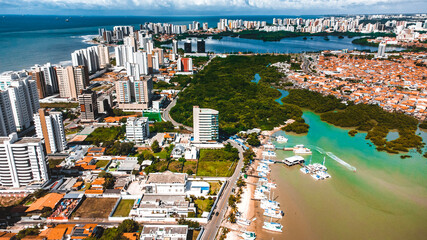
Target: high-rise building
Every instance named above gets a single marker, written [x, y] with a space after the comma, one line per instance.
[205, 124]
[104, 56]
[88, 57]
[7, 123]
[187, 46]
[72, 80]
[200, 46]
[175, 47]
[381, 49]
[22, 161]
[134, 94]
[137, 129]
[185, 65]
[88, 105]
[38, 76]
[23, 98]
[66, 82]
[50, 127]
[50, 78]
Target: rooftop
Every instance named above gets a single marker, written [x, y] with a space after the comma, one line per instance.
[167, 177]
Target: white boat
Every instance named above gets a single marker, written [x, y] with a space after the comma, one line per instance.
[304, 170]
[300, 149]
[264, 169]
[243, 221]
[271, 185]
[273, 226]
[281, 139]
[273, 213]
[262, 174]
[259, 194]
[264, 188]
[269, 145]
[267, 161]
[317, 176]
[269, 204]
[248, 235]
[263, 179]
[268, 154]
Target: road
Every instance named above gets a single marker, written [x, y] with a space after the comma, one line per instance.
[212, 227]
[167, 117]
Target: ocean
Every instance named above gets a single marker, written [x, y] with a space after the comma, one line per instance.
[28, 40]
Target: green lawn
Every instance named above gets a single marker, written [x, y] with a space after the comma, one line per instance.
[190, 166]
[216, 169]
[103, 134]
[175, 166]
[153, 116]
[162, 154]
[217, 163]
[102, 163]
[203, 205]
[124, 208]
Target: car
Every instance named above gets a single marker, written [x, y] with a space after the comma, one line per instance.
[217, 213]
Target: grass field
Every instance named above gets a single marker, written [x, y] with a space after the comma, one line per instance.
[217, 163]
[190, 165]
[153, 116]
[216, 169]
[95, 208]
[103, 134]
[102, 163]
[124, 208]
[175, 166]
[214, 187]
[204, 205]
[162, 154]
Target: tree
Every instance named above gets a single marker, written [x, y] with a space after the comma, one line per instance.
[128, 225]
[155, 146]
[28, 232]
[253, 140]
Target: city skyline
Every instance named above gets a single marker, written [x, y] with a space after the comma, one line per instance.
[209, 7]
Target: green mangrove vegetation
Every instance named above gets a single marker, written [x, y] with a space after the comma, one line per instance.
[225, 85]
[371, 118]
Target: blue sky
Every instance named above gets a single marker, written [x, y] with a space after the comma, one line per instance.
[209, 7]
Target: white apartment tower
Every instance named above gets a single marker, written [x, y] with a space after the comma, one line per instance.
[137, 129]
[50, 127]
[381, 49]
[7, 123]
[22, 161]
[205, 124]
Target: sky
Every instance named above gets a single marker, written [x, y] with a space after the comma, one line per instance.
[209, 7]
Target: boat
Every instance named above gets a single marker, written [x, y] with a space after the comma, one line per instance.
[281, 139]
[269, 145]
[273, 213]
[271, 185]
[267, 161]
[304, 38]
[269, 204]
[300, 149]
[272, 226]
[304, 170]
[268, 154]
[340, 37]
[326, 38]
[248, 235]
[263, 179]
[262, 174]
[243, 221]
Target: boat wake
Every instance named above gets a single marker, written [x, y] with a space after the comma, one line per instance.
[340, 161]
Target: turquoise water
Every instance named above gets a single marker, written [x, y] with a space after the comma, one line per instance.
[284, 94]
[256, 79]
[386, 198]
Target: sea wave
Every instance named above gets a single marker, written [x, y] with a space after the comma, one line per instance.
[86, 38]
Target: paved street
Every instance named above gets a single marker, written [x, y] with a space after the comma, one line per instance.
[213, 225]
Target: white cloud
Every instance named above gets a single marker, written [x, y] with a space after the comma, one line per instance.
[191, 4]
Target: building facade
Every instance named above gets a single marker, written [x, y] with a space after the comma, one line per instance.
[205, 124]
[88, 106]
[137, 129]
[50, 127]
[22, 161]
